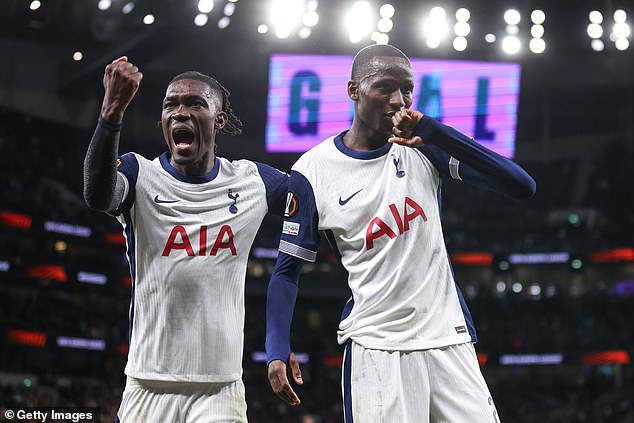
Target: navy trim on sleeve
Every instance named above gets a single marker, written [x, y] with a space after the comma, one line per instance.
[128, 166]
[276, 184]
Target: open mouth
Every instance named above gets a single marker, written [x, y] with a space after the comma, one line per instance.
[182, 137]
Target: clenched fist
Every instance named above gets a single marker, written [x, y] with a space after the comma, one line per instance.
[121, 81]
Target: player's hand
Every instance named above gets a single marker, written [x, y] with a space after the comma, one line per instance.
[279, 381]
[405, 122]
[121, 81]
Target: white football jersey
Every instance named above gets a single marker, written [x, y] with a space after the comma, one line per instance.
[188, 241]
[381, 211]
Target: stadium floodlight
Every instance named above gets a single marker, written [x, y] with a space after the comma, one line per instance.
[595, 17]
[205, 6]
[304, 33]
[517, 287]
[511, 44]
[77, 56]
[463, 15]
[380, 38]
[537, 31]
[490, 38]
[359, 21]
[512, 17]
[538, 17]
[621, 30]
[435, 27]
[512, 29]
[201, 19]
[595, 30]
[387, 11]
[35, 4]
[461, 29]
[310, 18]
[104, 4]
[229, 9]
[537, 45]
[224, 22]
[620, 16]
[385, 25]
[460, 43]
[597, 45]
[148, 19]
[622, 44]
[263, 29]
[127, 8]
[286, 15]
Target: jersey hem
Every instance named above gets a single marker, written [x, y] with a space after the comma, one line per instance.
[407, 346]
[183, 378]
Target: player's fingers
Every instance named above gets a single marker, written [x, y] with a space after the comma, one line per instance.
[408, 142]
[403, 133]
[121, 59]
[289, 395]
[295, 370]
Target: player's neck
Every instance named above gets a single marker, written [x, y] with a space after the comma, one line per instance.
[363, 139]
[195, 168]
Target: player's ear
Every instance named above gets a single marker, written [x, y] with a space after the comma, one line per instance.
[353, 90]
[221, 120]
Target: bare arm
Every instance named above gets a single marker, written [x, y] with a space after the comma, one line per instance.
[103, 189]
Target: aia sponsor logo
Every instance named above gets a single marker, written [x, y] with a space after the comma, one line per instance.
[179, 239]
[378, 228]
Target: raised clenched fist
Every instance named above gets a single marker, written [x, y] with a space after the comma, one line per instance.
[121, 81]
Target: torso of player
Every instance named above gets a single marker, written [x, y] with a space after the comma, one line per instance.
[188, 245]
[383, 213]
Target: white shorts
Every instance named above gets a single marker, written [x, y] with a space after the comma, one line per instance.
[436, 385]
[151, 401]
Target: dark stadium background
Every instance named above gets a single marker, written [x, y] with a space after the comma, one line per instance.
[575, 135]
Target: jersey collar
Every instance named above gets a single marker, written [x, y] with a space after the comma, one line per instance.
[362, 155]
[210, 176]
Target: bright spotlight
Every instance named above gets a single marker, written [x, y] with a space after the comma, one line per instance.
[385, 25]
[104, 4]
[387, 11]
[359, 21]
[224, 22]
[304, 33]
[127, 8]
[311, 6]
[77, 56]
[379, 37]
[463, 15]
[595, 30]
[310, 18]
[263, 29]
[511, 44]
[512, 17]
[435, 28]
[597, 45]
[460, 43]
[437, 13]
[148, 19]
[490, 38]
[595, 17]
[538, 16]
[461, 29]
[622, 44]
[35, 4]
[621, 30]
[285, 16]
[537, 31]
[205, 6]
[230, 8]
[517, 287]
[620, 16]
[537, 45]
[512, 29]
[201, 19]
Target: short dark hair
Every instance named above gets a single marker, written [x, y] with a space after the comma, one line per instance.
[234, 124]
[366, 54]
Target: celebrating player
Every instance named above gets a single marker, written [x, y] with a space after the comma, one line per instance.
[375, 191]
[189, 219]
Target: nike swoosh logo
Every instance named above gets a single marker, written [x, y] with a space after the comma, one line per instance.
[343, 202]
[159, 201]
